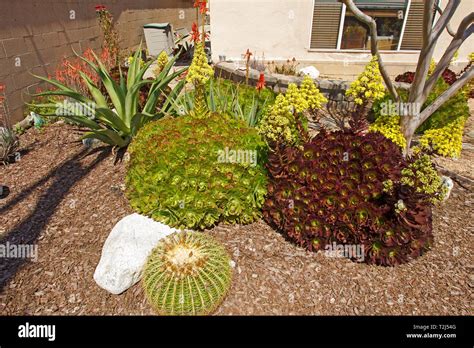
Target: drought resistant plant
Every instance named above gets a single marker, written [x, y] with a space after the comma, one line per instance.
[225, 97]
[445, 141]
[387, 123]
[199, 73]
[424, 80]
[8, 144]
[8, 140]
[188, 273]
[111, 37]
[347, 188]
[116, 122]
[193, 172]
[287, 68]
[161, 62]
[421, 176]
[197, 170]
[389, 126]
[440, 134]
[69, 71]
[285, 119]
[368, 87]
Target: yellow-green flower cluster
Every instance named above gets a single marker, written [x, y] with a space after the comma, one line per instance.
[279, 122]
[296, 99]
[311, 93]
[471, 57]
[200, 71]
[369, 85]
[131, 59]
[389, 126]
[422, 176]
[161, 62]
[445, 141]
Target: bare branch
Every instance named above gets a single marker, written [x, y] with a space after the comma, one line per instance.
[455, 87]
[425, 55]
[465, 29]
[427, 21]
[370, 22]
[445, 18]
[448, 26]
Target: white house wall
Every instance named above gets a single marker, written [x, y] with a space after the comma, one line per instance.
[281, 29]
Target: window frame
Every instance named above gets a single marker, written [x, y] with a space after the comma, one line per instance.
[338, 48]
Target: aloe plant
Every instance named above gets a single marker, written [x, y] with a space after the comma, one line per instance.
[224, 97]
[115, 118]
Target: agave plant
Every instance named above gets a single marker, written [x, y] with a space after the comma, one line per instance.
[115, 118]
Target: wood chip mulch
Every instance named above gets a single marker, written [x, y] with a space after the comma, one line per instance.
[66, 200]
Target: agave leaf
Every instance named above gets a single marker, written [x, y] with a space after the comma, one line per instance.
[116, 93]
[156, 89]
[95, 92]
[171, 98]
[212, 101]
[84, 121]
[108, 136]
[112, 119]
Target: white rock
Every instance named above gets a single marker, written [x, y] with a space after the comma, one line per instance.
[311, 71]
[126, 250]
[449, 184]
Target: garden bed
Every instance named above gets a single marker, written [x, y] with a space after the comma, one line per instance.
[66, 199]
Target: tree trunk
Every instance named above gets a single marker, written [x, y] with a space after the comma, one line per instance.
[408, 127]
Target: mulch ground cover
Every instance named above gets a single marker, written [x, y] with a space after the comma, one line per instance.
[66, 199]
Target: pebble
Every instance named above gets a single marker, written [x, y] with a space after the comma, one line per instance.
[332, 300]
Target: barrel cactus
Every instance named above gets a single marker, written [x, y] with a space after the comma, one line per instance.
[188, 273]
[192, 172]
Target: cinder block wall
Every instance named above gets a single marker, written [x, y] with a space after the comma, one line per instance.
[36, 34]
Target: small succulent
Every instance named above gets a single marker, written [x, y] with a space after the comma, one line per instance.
[8, 144]
[188, 273]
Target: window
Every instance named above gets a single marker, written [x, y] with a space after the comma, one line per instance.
[399, 24]
[356, 35]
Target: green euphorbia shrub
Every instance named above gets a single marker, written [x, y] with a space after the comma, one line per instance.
[193, 172]
[356, 190]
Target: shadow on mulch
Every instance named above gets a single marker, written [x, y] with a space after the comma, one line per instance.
[28, 231]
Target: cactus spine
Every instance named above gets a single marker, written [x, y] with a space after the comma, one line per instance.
[188, 273]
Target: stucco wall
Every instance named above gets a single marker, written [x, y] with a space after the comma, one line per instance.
[281, 30]
[41, 32]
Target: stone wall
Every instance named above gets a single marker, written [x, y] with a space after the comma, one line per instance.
[36, 34]
[331, 88]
